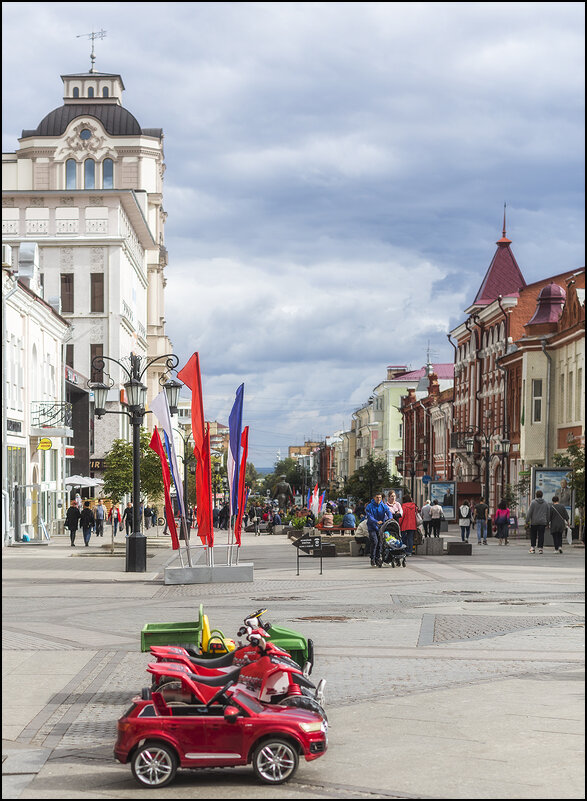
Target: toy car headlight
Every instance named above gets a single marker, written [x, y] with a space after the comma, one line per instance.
[311, 727]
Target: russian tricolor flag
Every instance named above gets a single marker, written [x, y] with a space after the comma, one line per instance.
[235, 423]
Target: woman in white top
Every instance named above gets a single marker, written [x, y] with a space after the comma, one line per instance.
[465, 518]
[395, 506]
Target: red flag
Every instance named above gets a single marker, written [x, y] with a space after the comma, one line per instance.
[190, 375]
[157, 446]
[241, 485]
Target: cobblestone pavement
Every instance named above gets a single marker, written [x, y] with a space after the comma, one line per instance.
[475, 650]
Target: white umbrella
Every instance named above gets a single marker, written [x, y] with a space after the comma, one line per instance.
[82, 481]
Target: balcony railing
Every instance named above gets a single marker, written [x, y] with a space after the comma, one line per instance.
[49, 414]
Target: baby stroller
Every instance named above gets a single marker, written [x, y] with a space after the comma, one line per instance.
[393, 550]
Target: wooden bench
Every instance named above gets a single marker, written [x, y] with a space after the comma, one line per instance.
[328, 530]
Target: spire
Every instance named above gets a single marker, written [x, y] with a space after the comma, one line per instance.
[93, 35]
[503, 277]
[504, 240]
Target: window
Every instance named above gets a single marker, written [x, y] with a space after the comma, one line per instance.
[536, 400]
[105, 92]
[91, 92]
[70, 174]
[76, 92]
[67, 293]
[107, 174]
[579, 394]
[570, 398]
[96, 351]
[561, 400]
[69, 356]
[97, 292]
[89, 174]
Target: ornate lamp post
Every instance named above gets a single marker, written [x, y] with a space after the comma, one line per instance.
[187, 452]
[502, 448]
[136, 393]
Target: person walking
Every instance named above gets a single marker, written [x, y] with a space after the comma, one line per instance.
[395, 506]
[559, 519]
[127, 518]
[408, 523]
[436, 515]
[115, 518]
[153, 516]
[100, 516]
[480, 517]
[426, 519]
[87, 522]
[465, 518]
[538, 517]
[72, 517]
[501, 521]
[147, 514]
[377, 512]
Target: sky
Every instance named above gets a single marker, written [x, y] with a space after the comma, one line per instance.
[335, 176]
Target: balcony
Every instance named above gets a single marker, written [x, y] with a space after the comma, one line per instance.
[51, 419]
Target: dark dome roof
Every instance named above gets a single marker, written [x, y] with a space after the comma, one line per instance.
[116, 120]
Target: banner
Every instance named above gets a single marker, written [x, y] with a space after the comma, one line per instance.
[235, 422]
[160, 408]
[157, 446]
[242, 489]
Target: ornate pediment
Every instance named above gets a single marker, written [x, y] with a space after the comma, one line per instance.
[95, 146]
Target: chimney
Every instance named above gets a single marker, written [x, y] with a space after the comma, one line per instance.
[394, 370]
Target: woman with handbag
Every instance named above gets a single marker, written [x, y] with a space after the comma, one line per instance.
[559, 520]
[501, 520]
[408, 523]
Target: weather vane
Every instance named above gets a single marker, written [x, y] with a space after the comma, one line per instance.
[93, 36]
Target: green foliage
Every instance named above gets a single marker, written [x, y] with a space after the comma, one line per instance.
[286, 467]
[118, 475]
[574, 459]
[370, 479]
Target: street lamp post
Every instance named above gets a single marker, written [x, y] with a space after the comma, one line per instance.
[136, 394]
[502, 448]
[186, 462]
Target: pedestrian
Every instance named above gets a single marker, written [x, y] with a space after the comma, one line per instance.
[327, 520]
[153, 516]
[87, 522]
[395, 506]
[426, 519]
[408, 523]
[78, 501]
[377, 512]
[100, 515]
[215, 516]
[349, 520]
[115, 518]
[224, 517]
[465, 518]
[72, 517]
[480, 517]
[538, 517]
[147, 515]
[436, 515]
[501, 521]
[559, 519]
[127, 518]
[310, 519]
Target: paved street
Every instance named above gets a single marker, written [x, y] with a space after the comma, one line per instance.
[457, 677]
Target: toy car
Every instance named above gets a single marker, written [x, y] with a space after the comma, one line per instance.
[161, 733]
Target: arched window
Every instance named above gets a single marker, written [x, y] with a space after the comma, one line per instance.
[70, 174]
[91, 92]
[76, 92]
[89, 174]
[105, 92]
[107, 174]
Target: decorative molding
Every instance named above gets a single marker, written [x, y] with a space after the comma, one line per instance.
[66, 201]
[97, 257]
[37, 202]
[96, 200]
[66, 257]
[8, 202]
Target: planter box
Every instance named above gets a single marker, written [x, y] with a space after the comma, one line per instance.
[459, 548]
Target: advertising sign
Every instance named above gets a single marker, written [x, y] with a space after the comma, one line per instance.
[554, 481]
[445, 493]
[44, 444]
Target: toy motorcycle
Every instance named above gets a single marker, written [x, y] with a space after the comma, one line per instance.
[261, 669]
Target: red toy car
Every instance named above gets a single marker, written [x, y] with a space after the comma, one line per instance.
[162, 732]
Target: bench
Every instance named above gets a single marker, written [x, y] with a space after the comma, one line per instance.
[329, 530]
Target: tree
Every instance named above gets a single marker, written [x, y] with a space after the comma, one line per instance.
[286, 467]
[118, 474]
[369, 479]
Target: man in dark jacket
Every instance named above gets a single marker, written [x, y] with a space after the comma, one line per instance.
[72, 517]
[376, 512]
[538, 516]
[559, 520]
[87, 522]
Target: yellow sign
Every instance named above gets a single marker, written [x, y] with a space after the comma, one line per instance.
[44, 444]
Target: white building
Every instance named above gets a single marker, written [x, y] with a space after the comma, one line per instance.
[86, 184]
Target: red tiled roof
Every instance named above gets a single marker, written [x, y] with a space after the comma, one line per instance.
[443, 371]
[503, 277]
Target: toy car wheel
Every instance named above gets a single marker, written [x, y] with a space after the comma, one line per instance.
[154, 764]
[302, 702]
[275, 761]
[392, 563]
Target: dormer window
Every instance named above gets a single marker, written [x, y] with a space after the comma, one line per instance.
[76, 92]
[91, 92]
[105, 92]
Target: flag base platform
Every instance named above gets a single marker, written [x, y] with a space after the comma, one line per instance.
[204, 574]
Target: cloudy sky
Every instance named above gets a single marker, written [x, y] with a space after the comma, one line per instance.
[336, 174]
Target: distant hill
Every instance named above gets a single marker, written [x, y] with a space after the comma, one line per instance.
[264, 471]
